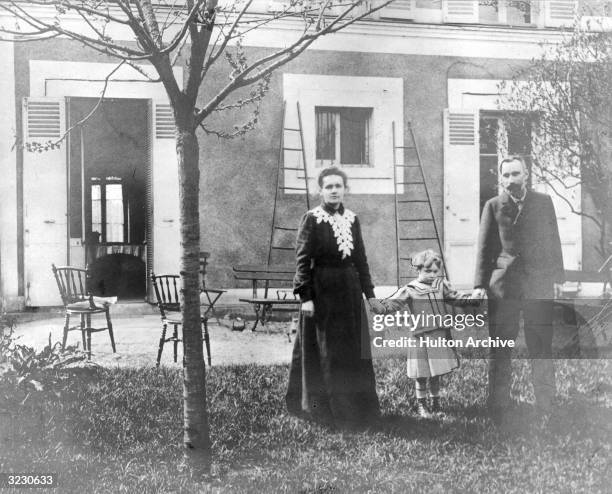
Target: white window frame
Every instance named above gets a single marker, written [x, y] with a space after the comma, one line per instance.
[383, 94]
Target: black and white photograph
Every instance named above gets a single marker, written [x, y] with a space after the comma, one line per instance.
[305, 246]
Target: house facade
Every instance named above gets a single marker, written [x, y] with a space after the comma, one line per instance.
[107, 195]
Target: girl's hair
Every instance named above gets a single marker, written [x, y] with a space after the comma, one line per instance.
[426, 258]
[332, 170]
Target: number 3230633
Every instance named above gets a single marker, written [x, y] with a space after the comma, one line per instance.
[28, 480]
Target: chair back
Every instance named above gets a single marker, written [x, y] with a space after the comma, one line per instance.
[72, 283]
[167, 292]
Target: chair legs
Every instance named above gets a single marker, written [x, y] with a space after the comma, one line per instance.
[88, 336]
[109, 325]
[175, 339]
[161, 343]
[83, 332]
[66, 327]
[86, 330]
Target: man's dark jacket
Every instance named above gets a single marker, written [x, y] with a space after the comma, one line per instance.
[519, 253]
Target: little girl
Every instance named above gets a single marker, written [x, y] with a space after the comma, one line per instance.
[427, 296]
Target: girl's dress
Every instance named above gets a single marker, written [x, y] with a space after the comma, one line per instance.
[426, 299]
[331, 376]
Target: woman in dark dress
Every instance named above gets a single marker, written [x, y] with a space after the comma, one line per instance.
[331, 377]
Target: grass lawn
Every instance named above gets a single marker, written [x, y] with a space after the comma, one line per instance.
[121, 431]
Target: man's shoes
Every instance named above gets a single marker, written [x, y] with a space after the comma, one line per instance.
[422, 409]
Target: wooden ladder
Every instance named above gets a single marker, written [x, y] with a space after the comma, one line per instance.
[289, 201]
[415, 225]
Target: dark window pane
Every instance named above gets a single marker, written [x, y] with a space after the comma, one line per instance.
[488, 135]
[354, 130]
[326, 134]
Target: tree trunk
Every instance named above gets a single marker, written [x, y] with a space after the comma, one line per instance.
[196, 437]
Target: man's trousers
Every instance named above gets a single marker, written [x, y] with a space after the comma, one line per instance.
[504, 315]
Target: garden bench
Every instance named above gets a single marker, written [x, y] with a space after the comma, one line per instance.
[265, 299]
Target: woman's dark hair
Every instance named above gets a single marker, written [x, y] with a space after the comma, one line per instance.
[332, 170]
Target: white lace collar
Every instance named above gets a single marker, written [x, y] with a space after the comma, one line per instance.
[341, 225]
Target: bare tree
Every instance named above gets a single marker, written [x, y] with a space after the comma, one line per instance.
[200, 34]
[568, 93]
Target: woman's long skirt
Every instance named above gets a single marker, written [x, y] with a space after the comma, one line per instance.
[331, 377]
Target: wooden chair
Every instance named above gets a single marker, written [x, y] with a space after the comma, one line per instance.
[212, 295]
[78, 300]
[168, 301]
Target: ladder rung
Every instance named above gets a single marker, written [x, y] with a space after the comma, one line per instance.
[410, 183]
[420, 238]
[413, 200]
[286, 228]
[292, 188]
[407, 166]
[292, 149]
[282, 248]
[417, 219]
[405, 147]
[293, 130]
[293, 168]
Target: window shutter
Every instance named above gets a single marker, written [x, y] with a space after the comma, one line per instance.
[45, 226]
[560, 13]
[460, 11]
[164, 185]
[461, 193]
[164, 121]
[44, 119]
[400, 9]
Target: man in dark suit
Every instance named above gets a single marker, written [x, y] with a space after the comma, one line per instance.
[519, 260]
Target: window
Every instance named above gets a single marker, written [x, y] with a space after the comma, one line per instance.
[107, 209]
[501, 136]
[343, 135]
[511, 12]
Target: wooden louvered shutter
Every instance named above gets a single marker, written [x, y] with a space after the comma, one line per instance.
[399, 9]
[461, 193]
[45, 225]
[560, 13]
[460, 11]
[165, 193]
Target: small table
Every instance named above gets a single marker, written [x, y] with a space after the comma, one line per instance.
[264, 307]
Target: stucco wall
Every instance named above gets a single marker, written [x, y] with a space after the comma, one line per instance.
[238, 176]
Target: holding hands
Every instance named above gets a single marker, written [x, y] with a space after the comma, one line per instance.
[376, 306]
[479, 294]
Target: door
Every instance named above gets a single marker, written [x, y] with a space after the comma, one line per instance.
[166, 214]
[44, 198]
[461, 193]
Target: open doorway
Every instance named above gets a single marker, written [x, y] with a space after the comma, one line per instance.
[109, 168]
